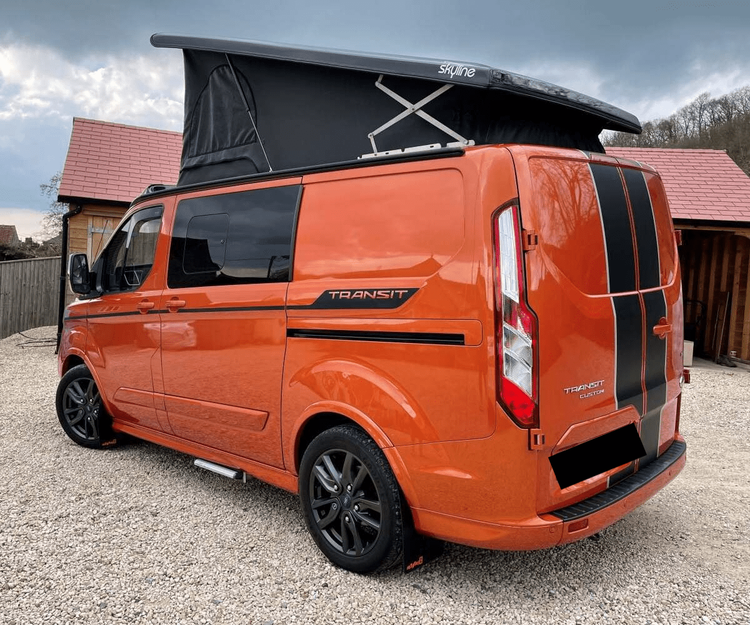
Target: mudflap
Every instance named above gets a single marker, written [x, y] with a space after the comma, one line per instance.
[418, 549]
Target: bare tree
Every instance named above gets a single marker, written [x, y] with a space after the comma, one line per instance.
[721, 123]
[52, 222]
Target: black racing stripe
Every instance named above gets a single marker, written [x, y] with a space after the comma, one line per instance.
[650, 427]
[656, 376]
[645, 229]
[656, 351]
[621, 475]
[424, 338]
[629, 345]
[616, 223]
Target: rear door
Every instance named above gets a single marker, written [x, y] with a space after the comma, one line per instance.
[604, 283]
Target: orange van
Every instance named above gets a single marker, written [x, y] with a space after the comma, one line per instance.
[475, 343]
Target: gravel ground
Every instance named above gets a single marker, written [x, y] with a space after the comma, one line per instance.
[136, 534]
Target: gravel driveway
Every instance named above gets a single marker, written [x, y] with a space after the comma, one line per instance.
[136, 534]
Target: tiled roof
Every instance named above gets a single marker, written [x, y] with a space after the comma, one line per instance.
[700, 184]
[8, 235]
[115, 162]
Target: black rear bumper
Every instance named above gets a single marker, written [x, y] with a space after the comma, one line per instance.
[624, 488]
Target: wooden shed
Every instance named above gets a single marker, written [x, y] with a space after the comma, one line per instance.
[709, 196]
[107, 167]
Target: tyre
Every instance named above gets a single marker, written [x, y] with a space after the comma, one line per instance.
[80, 409]
[351, 500]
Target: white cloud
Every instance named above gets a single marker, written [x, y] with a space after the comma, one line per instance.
[27, 221]
[38, 82]
[650, 103]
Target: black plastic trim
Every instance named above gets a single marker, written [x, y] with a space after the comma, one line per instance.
[280, 174]
[624, 488]
[422, 338]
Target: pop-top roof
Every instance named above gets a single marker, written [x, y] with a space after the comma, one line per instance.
[253, 107]
[114, 163]
[442, 71]
[700, 184]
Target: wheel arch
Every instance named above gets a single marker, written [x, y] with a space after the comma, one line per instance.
[74, 358]
[321, 419]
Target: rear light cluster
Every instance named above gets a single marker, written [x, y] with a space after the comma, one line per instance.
[516, 324]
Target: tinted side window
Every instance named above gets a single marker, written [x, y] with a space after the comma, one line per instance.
[234, 238]
[129, 255]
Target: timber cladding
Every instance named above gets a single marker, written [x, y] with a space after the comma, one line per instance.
[29, 291]
[716, 271]
[90, 229]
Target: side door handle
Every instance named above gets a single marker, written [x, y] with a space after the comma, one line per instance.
[174, 304]
[662, 328]
[144, 306]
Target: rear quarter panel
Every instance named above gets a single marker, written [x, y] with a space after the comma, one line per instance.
[413, 226]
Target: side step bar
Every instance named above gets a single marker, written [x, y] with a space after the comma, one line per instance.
[232, 474]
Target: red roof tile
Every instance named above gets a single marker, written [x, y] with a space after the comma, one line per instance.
[8, 236]
[115, 162]
[700, 184]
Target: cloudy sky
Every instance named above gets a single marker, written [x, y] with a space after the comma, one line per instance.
[92, 58]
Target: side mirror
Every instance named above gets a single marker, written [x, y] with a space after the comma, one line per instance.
[78, 270]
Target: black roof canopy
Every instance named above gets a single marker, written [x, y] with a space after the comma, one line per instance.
[312, 106]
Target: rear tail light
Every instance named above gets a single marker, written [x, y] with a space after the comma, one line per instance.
[516, 324]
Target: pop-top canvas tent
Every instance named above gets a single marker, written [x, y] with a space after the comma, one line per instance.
[255, 107]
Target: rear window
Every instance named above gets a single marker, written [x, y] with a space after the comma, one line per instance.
[588, 217]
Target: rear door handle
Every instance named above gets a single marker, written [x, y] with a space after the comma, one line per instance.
[144, 306]
[174, 304]
[662, 328]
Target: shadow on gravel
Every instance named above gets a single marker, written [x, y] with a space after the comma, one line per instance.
[614, 553]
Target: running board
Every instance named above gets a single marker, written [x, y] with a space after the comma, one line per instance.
[232, 474]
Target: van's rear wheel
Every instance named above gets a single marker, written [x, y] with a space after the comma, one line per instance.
[80, 410]
[351, 500]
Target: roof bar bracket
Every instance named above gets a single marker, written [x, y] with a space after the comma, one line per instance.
[415, 109]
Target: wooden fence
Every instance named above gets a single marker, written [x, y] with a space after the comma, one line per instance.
[29, 293]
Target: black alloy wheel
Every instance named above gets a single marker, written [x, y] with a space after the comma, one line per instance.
[351, 500]
[80, 409]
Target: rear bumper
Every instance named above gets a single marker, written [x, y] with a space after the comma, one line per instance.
[566, 524]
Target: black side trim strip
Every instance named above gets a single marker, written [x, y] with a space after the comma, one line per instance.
[117, 314]
[624, 488]
[424, 338]
[228, 309]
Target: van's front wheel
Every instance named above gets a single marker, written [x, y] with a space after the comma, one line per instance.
[351, 500]
[80, 409]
